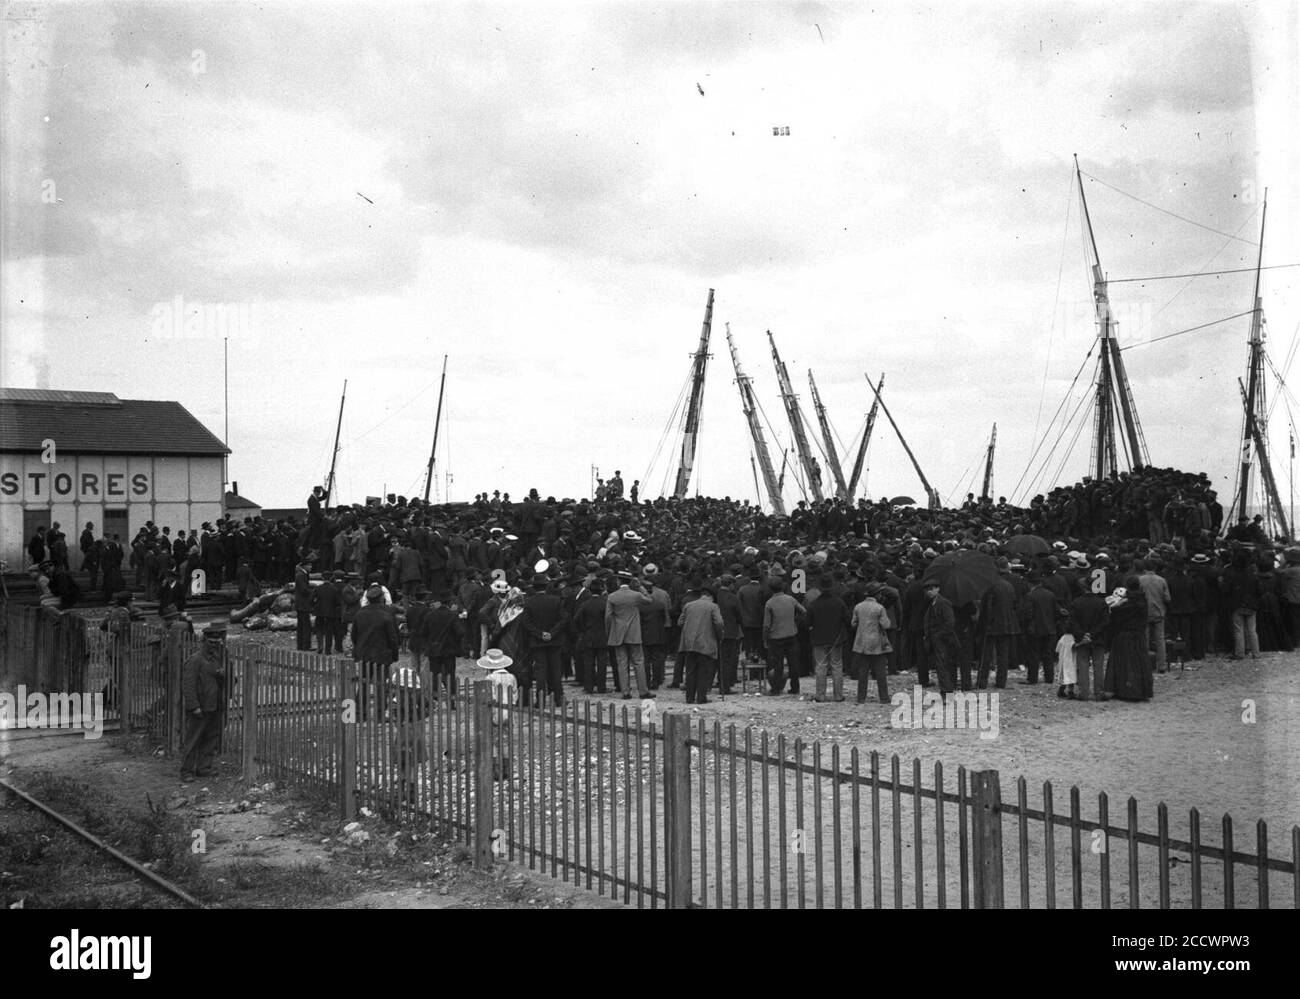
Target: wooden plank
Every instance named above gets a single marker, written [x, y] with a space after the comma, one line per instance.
[987, 821]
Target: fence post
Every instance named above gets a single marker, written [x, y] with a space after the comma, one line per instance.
[124, 685]
[483, 782]
[348, 743]
[987, 839]
[677, 808]
[248, 697]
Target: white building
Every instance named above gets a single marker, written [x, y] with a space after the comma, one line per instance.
[74, 457]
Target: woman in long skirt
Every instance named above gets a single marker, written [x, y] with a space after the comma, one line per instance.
[1128, 672]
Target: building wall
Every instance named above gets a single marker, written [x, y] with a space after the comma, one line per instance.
[175, 492]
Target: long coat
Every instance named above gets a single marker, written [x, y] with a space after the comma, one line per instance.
[701, 624]
[623, 616]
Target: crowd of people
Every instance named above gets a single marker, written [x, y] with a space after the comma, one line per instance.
[602, 592]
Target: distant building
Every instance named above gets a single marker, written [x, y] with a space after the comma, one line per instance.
[73, 457]
[238, 507]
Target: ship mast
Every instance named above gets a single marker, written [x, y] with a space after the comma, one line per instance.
[1112, 380]
[690, 433]
[866, 440]
[437, 423]
[750, 406]
[329, 483]
[811, 469]
[1256, 428]
[832, 456]
[987, 492]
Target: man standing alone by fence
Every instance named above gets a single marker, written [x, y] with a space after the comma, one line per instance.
[202, 681]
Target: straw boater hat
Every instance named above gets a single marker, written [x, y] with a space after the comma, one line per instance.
[495, 659]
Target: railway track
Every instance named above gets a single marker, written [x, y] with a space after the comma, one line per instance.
[141, 872]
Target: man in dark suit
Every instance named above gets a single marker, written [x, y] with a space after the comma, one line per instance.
[302, 605]
[375, 647]
[545, 622]
[999, 626]
[752, 599]
[732, 630]
[1041, 629]
[327, 605]
[590, 642]
[939, 628]
[654, 630]
[441, 637]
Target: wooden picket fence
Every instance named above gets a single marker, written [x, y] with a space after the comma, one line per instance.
[664, 809]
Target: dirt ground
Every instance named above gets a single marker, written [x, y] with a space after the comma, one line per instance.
[1219, 736]
[231, 846]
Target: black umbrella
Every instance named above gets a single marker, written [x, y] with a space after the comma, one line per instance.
[902, 501]
[963, 576]
[1027, 546]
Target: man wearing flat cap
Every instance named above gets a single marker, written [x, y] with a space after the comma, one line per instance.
[202, 686]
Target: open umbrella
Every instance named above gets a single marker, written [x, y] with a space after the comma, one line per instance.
[1026, 546]
[963, 576]
[902, 501]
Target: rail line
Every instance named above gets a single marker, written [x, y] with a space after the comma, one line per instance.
[162, 884]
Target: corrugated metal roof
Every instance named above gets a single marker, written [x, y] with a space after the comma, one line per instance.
[132, 426]
[55, 395]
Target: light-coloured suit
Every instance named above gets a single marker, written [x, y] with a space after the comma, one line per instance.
[623, 632]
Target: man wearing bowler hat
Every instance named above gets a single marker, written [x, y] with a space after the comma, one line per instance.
[701, 624]
[545, 622]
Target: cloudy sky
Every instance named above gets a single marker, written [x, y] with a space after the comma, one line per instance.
[542, 193]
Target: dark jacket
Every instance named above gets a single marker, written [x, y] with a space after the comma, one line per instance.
[1040, 616]
[327, 601]
[544, 614]
[1089, 615]
[442, 632]
[374, 635]
[202, 677]
[589, 622]
[998, 609]
[732, 616]
[828, 619]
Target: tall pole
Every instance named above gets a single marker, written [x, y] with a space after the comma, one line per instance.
[329, 485]
[866, 440]
[225, 405]
[832, 456]
[437, 421]
[1112, 379]
[1254, 371]
[749, 404]
[932, 495]
[987, 491]
[690, 434]
[758, 493]
[811, 469]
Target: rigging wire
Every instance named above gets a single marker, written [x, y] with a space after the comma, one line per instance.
[388, 417]
[1187, 284]
[672, 420]
[1166, 211]
[1034, 482]
[1064, 400]
[1190, 329]
[1195, 274]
